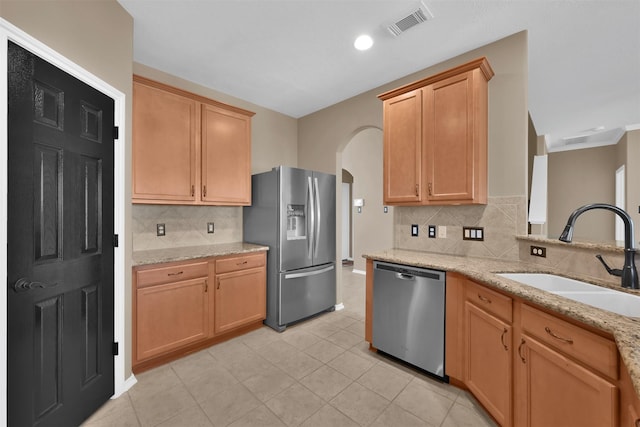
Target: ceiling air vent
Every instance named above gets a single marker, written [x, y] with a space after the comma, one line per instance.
[415, 17]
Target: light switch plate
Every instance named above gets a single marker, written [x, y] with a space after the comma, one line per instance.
[442, 231]
[414, 230]
[473, 233]
[210, 227]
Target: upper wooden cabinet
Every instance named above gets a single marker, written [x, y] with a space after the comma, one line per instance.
[226, 156]
[164, 145]
[188, 149]
[435, 138]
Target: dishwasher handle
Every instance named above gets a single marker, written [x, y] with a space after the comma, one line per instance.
[405, 272]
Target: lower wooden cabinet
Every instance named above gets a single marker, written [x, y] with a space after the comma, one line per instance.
[170, 316]
[183, 306]
[629, 401]
[488, 367]
[555, 390]
[240, 294]
[530, 368]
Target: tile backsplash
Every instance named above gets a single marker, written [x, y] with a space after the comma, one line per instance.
[502, 218]
[185, 225]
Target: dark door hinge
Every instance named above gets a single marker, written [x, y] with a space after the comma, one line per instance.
[115, 348]
[115, 240]
[116, 132]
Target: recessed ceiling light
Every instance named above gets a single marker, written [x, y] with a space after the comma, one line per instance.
[363, 42]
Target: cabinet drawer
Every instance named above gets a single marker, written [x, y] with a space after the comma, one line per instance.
[173, 273]
[597, 352]
[490, 301]
[242, 262]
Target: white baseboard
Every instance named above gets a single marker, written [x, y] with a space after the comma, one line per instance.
[339, 307]
[364, 273]
[128, 383]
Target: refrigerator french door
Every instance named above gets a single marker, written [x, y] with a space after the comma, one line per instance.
[293, 212]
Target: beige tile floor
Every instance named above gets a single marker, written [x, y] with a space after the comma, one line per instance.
[316, 373]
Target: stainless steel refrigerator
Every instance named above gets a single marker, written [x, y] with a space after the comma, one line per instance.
[293, 211]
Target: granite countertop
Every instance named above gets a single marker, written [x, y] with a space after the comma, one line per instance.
[625, 330]
[157, 256]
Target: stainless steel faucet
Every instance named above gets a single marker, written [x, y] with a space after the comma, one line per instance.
[629, 273]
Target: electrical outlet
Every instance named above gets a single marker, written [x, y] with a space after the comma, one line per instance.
[414, 230]
[539, 251]
[210, 228]
[442, 231]
[160, 229]
[386, 209]
[432, 231]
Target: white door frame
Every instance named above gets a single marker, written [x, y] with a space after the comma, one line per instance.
[9, 32]
[621, 201]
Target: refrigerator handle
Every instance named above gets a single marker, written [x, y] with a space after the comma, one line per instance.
[309, 273]
[312, 214]
[318, 219]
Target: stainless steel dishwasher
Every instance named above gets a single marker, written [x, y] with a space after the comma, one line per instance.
[408, 315]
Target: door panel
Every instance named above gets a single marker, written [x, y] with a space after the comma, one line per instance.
[325, 238]
[60, 257]
[306, 292]
[295, 218]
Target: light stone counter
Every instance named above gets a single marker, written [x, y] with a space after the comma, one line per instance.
[157, 256]
[625, 330]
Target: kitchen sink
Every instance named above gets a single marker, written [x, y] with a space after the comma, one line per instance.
[551, 282]
[596, 296]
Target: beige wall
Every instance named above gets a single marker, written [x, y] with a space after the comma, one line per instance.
[98, 36]
[322, 137]
[323, 134]
[274, 136]
[580, 177]
[633, 180]
[372, 228]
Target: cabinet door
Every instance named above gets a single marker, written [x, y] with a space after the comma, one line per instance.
[164, 138]
[170, 316]
[489, 359]
[403, 148]
[241, 298]
[226, 156]
[449, 139]
[553, 390]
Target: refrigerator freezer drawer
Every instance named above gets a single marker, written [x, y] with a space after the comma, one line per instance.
[306, 292]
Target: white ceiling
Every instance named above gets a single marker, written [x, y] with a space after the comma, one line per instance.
[297, 56]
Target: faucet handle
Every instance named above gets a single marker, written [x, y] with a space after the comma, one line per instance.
[612, 271]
